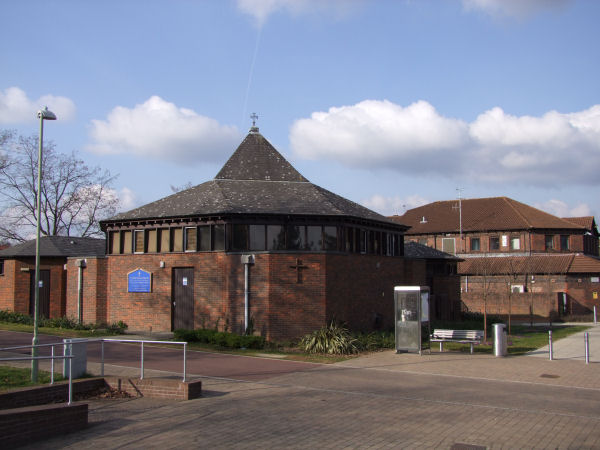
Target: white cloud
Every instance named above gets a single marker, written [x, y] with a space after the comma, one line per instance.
[128, 199]
[496, 147]
[389, 206]
[562, 209]
[16, 107]
[379, 133]
[260, 10]
[538, 150]
[519, 9]
[159, 129]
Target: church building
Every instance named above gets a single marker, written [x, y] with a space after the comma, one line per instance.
[258, 248]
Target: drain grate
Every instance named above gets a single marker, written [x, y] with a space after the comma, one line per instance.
[549, 375]
[460, 446]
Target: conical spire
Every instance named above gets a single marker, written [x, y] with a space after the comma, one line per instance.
[257, 159]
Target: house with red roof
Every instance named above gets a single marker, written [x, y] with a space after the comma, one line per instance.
[515, 258]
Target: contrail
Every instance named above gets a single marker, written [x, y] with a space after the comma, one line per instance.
[250, 78]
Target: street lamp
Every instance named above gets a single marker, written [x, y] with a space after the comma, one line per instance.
[42, 114]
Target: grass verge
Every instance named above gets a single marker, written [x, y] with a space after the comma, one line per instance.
[12, 377]
[523, 339]
[63, 332]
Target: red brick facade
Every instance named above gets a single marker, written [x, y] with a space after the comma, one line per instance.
[16, 281]
[94, 284]
[355, 289]
[542, 298]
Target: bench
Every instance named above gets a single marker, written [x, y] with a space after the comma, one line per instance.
[472, 337]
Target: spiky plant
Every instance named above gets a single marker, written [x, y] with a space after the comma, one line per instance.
[333, 339]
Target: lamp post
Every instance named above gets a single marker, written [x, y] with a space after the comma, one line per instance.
[42, 114]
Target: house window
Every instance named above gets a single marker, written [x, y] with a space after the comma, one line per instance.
[152, 241]
[448, 245]
[127, 242]
[204, 238]
[165, 240]
[191, 239]
[176, 239]
[475, 245]
[423, 241]
[275, 237]
[240, 238]
[564, 242]
[494, 243]
[362, 238]
[257, 237]
[549, 240]
[350, 240]
[330, 238]
[218, 237]
[115, 242]
[1, 267]
[313, 238]
[138, 241]
[515, 243]
[296, 239]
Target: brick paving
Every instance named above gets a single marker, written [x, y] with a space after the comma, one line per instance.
[382, 400]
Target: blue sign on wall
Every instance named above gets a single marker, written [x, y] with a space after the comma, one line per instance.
[139, 281]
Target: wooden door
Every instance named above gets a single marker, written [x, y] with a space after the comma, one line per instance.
[182, 313]
[44, 304]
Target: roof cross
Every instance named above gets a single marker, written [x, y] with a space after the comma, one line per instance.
[254, 118]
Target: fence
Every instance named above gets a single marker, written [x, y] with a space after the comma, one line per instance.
[142, 342]
[52, 358]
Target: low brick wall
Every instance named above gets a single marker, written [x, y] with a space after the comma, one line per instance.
[26, 416]
[24, 425]
[42, 395]
[157, 387]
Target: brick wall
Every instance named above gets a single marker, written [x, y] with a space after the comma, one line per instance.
[357, 289]
[541, 296]
[15, 284]
[157, 387]
[94, 277]
[7, 286]
[25, 425]
[41, 395]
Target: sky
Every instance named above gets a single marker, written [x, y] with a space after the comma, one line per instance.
[389, 103]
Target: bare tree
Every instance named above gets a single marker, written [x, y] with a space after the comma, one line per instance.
[484, 269]
[512, 270]
[73, 196]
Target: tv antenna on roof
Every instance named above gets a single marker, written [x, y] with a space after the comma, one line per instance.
[460, 213]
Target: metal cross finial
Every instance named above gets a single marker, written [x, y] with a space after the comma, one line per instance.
[254, 118]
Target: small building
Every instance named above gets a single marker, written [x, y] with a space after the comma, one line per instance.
[441, 277]
[17, 273]
[259, 247]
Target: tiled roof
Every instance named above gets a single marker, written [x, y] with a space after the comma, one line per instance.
[257, 159]
[480, 215]
[535, 264]
[414, 250]
[585, 264]
[255, 180]
[587, 222]
[57, 246]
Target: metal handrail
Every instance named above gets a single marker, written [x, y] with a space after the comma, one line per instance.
[30, 358]
[142, 342]
[36, 346]
[102, 340]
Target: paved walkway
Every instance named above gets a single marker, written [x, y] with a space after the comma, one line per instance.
[573, 346]
[381, 400]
